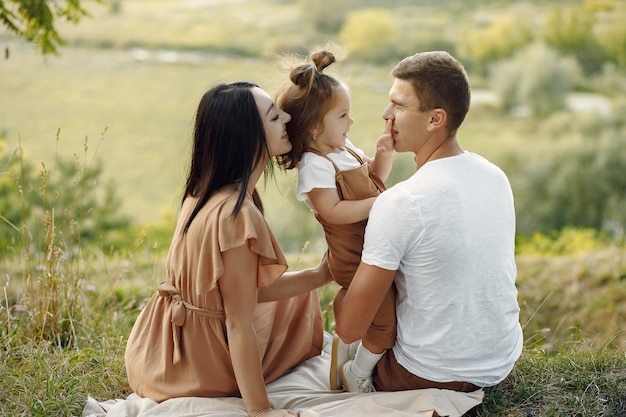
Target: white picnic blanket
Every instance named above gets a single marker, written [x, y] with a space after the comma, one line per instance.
[305, 389]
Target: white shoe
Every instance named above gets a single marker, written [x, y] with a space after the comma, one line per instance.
[353, 383]
[340, 354]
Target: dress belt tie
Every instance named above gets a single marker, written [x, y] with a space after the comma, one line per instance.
[179, 313]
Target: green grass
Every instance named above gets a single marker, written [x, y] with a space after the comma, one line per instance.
[576, 374]
[41, 379]
[583, 295]
[578, 381]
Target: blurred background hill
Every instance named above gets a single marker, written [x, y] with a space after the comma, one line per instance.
[548, 79]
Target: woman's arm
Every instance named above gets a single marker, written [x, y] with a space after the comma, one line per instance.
[238, 287]
[336, 211]
[293, 283]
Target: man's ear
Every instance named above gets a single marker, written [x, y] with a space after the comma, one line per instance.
[438, 119]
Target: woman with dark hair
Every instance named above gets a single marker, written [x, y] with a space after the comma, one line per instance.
[229, 319]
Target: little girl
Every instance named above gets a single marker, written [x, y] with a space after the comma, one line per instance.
[339, 184]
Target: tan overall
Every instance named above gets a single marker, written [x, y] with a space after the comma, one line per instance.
[345, 244]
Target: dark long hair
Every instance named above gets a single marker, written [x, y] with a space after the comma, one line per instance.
[228, 143]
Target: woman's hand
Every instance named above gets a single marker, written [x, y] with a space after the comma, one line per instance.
[268, 412]
[323, 270]
[293, 283]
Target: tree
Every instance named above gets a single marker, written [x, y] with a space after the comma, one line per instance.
[34, 20]
[69, 197]
[369, 34]
[571, 32]
[576, 179]
[496, 41]
[537, 78]
[613, 41]
[325, 15]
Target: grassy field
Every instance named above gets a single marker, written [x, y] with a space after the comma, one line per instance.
[147, 109]
[573, 363]
[128, 85]
[137, 116]
[139, 73]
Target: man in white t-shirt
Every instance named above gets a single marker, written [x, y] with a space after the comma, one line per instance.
[446, 236]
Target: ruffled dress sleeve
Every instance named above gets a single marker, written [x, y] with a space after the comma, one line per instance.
[215, 230]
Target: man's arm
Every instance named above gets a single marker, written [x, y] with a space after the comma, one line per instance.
[363, 299]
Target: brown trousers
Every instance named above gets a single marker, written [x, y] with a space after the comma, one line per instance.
[389, 375]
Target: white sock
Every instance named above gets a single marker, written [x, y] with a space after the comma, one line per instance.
[364, 362]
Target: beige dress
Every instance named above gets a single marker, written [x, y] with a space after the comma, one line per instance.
[178, 346]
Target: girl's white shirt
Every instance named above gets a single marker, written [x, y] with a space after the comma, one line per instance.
[315, 171]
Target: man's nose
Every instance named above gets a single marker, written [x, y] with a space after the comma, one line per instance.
[387, 113]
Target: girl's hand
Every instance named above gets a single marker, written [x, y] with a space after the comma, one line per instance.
[382, 161]
[385, 142]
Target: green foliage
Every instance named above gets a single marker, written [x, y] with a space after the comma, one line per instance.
[53, 222]
[157, 235]
[568, 240]
[536, 77]
[370, 34]
[609, 82]
[62, 200]
[325, 15]
[35, 20]
[297, 228]
[576, 179]
[10, 210]
[571, 32]
[613, 40]
[496, 41]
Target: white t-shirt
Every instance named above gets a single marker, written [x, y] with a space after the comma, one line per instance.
[449, 230]
[315, 171]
